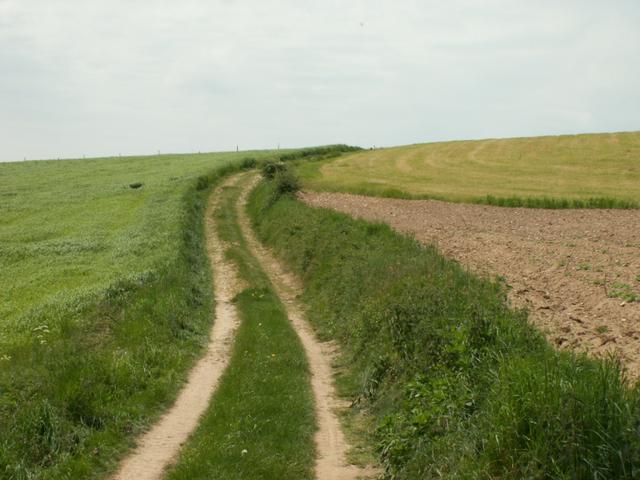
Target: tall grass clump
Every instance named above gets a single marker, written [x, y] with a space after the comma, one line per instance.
[458, 384]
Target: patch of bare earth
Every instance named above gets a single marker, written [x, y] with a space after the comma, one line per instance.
[331, 445]
[568, 267]
[159, 447]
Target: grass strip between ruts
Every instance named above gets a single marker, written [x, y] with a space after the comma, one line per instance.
[260, 423]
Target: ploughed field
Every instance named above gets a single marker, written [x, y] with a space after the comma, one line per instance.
[569, 170]
[577, 271]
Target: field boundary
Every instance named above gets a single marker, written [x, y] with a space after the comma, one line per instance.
[551, 203]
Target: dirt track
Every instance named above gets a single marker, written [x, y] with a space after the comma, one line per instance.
[565, 266]
[159, 447]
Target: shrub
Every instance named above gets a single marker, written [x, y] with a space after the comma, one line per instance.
[271, 168]
[248, 163]
[286, 182]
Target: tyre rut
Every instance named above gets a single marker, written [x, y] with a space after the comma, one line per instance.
[158, 448]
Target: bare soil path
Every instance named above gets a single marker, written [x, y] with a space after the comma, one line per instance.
[331, 445]
[159, 446]
[570, 268]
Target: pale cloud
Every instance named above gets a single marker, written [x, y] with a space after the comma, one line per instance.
[90, 77]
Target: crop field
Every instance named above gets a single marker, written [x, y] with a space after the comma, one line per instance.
[599, 170]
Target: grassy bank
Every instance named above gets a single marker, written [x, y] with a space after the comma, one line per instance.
[260, 424]
[570, 171]
[460, 386]
[104, 302]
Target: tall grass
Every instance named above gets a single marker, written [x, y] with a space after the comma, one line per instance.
[460, 385]
[557, 203]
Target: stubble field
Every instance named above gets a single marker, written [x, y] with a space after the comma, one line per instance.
[599, 170]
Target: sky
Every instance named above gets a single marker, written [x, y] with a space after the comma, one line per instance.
[101, 78]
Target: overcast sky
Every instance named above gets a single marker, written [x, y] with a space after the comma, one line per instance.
[90, 77]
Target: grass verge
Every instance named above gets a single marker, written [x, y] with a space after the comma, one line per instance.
[260, 424]
[459, 385]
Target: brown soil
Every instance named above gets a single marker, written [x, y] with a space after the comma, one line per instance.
[331, 446]
[565, 266]
[160, 445]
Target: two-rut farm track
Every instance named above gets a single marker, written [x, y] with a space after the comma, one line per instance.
[159, 447]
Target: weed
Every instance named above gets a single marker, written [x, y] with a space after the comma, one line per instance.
[270, 169]
[624, 292]
[248, 163]
[286, 182]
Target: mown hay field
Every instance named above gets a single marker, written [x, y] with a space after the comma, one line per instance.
[592, 170]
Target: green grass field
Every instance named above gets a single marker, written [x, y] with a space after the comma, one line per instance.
[105, 303]
[69, 229]
[599, 170]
